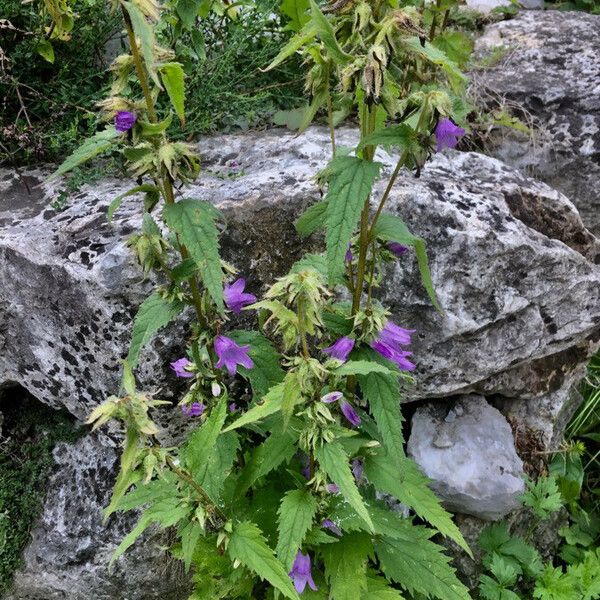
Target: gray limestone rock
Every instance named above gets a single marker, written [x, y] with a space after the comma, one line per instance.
[467, 449]
[551, 72]
[515, 270]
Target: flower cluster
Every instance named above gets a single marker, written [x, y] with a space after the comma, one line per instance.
[390, 342]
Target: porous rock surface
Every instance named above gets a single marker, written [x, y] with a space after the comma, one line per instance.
[550, 73]
[467, 448]
[515, 270]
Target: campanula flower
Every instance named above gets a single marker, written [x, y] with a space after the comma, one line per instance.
[340, 348]
[193, 410]
[181, 366]
[332, 488]
[331, 397]
[329, 524]
[236, 298]
[231, 354]
[394, 335]
[395, 355]
[124, 121]
[397, 249]
[349, 412]
[447, 134]
[233, 407]
[301, 574]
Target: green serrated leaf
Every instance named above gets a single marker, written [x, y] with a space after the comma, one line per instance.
[402, 136]
[187, 11]
[350, 185]
[269, 405]
[172, 76]
[189, 540]
[194, 222]
[100, 142]
[379, 589]
[409, 485]
[277, 449]
[153, 314]
[327, 34]
[296, 514]
[346, 565]
[392, 228]
[382, 392]
[45, 49]
[361, 367]
[145, 33]
[199, 453]
[420, 566]
[114, 205]
[334, 461]
[312, 219]
[297, 12]
[248, 546]
[307, 33]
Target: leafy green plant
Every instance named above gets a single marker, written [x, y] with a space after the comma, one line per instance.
[590, 6]
[282, 494]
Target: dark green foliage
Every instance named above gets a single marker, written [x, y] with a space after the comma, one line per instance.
[57, 98]
[29, 433]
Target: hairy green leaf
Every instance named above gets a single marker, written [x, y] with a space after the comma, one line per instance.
[382, 391]
[277, 449]
[362, 367]
[145, 33]
[269, 405]
[409, 485]
[402, 136]
[334, 461]
[346, 565]
[297, 11]
[312, 219]
[114, 205]
[172, 76]
[327, 34]
[153, 314]
[296, 514]
[392, 228]
[420, 566]
[350, 184]
[248, 546]
[100, 142]
[194, 222]
[307, 33]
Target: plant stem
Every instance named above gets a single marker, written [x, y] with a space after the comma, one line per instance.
[368, 127]
[167, 184]
[301, 327]
[438, 5]
[331, 126]
[187, 478]
[139, 67]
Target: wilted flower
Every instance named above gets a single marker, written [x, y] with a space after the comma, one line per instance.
[231, 354]
[447, 134]
[193, 410]
[236, 298]
[331, 397]
[301, 574]
[340, 348]
[357, 469]
[124, 121]
[349, 412]
[329, 524]
[397, 249]
[180, 366]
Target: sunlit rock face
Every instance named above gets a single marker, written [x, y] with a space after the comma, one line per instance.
[549, 73]
[515, 270]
